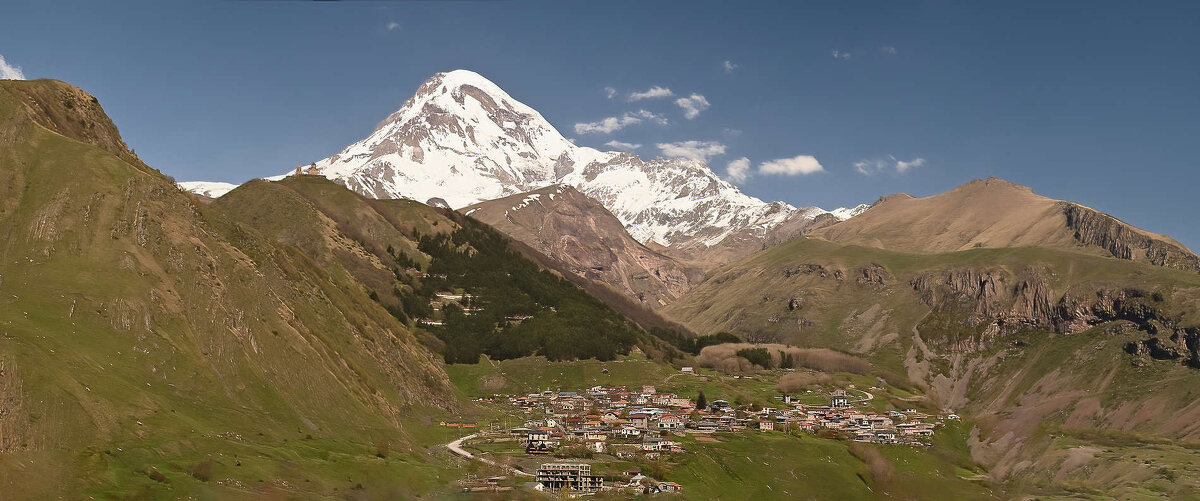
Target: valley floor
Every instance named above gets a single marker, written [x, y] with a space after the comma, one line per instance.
[762, 464]
[779, 464]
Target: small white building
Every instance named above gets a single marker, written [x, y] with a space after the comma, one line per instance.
[670, 422]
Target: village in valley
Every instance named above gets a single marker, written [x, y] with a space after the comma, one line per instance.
[589, 440]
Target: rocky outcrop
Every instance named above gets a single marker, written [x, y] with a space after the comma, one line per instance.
[1076, 314]
[980, 289]
[1091, 227]
[1175, 347]
[813, 269]
[71, 112]
[995, 301]
[1032, 301]
[873, 274]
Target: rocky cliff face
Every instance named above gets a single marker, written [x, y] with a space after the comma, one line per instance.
[570, 227]
[988, 293]
[1091, 227]
[997, 300]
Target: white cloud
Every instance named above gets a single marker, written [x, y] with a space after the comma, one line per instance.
[797, 165]
[840, 54]
[878, 165]
[902, 166]
[888, 49]
[606, 126]
[619, 145]
[692, 105]
[869, 167]
[610, 92]
[653, 117]
[651, 93]
[393, 26]
[738, 170]
[8, 72]
[693, 150]
[732, 132]
[729, 66]
[612, 124]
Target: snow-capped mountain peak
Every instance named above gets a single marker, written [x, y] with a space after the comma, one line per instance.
[463, 139]
[460, 138]
[210, 189]
[845, 213]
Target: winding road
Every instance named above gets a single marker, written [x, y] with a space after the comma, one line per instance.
[456, 448]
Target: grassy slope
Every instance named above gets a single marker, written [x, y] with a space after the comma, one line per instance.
[337, 228]
[143, 336]
[780, 466]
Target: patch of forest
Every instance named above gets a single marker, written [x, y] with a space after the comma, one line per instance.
[510, 307]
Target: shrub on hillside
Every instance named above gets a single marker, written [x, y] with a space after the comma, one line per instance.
[201, 470]
[729, 358]
[692, 344]
[797, 381]
[879, 469]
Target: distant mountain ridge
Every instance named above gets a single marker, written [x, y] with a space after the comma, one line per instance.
[993, 213]
[463, 139]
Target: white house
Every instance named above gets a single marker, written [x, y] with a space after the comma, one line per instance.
[670, 422]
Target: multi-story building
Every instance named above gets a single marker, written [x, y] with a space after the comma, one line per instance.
[569, 476]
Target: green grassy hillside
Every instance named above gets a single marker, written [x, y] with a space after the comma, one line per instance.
[151, 346]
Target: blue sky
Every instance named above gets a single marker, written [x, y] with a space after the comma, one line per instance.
[1094, 102]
